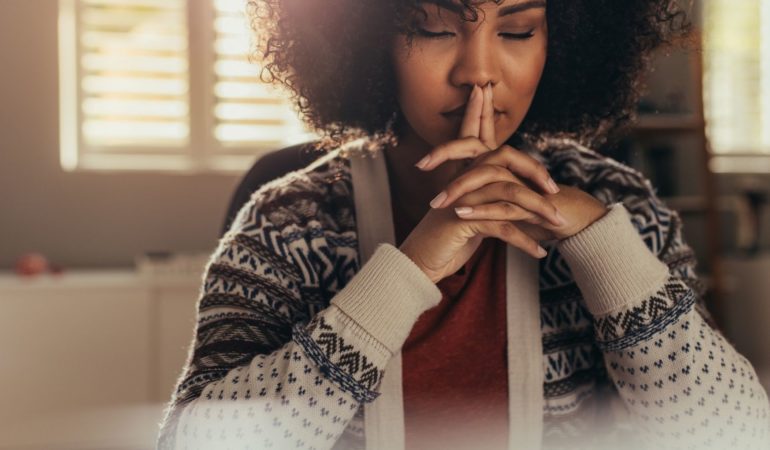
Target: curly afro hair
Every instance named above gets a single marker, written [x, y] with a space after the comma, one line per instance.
[334, 58]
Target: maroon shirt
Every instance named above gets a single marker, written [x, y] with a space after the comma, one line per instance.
[455, 377]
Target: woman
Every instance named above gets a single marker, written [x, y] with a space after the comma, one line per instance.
[357, 304]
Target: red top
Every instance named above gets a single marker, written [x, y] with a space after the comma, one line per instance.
[455, 377]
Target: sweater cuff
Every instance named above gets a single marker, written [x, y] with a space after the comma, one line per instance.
[611, 264]
[387, 296]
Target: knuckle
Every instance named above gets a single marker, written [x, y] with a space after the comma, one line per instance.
[501, 171]
[508, 228]
[511, 190]
[510, 207]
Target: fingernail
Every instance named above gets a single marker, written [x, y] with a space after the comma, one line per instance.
[553, 186]
[463, 210]
[541, 252]
[436, 202]
[423, 162]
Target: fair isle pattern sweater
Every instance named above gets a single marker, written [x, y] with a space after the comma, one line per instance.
[293, 334]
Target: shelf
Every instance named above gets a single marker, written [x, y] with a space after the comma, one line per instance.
[670, 122]
[96, 279]
[740, 163]
[733, 204]
[686, 203]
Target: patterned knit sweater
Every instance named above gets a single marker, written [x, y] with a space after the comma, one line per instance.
[293, 333]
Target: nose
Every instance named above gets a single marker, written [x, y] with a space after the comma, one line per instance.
[476, 61]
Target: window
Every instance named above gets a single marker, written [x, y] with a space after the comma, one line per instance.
[165, 85]
[737, 83]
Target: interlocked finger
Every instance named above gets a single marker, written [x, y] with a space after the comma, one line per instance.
[511, 193]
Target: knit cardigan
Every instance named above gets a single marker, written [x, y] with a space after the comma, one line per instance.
[300, 319]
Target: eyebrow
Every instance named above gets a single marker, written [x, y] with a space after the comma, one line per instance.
[504, 11]
[519, 7]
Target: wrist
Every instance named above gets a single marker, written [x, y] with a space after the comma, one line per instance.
[591, 214]
[404, 248]
[611, 263]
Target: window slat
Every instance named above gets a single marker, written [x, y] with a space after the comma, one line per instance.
[134, 65]
[119, 85]
[106, 107]
[114, 132]
[146, 41]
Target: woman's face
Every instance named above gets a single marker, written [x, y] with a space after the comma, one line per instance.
[506, 46]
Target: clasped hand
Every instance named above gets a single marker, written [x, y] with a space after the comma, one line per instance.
[502, 183]
[510, 196]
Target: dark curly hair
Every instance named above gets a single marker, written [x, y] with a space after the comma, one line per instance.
[334, 57]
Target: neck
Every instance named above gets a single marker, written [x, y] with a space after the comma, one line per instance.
[412, 189]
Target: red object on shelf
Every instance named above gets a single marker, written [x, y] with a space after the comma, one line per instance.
[31, 264]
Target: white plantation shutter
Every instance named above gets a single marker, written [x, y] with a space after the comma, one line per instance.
[165, 85]
[246, 110]
[133, 60]
[737, 83]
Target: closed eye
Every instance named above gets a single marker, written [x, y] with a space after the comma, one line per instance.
[518, 36]
[431, 34]
[447, 34]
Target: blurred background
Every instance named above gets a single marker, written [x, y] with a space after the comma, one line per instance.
[126, 126]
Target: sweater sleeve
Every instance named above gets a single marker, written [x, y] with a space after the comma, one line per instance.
[683, 384]
[272, 366]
